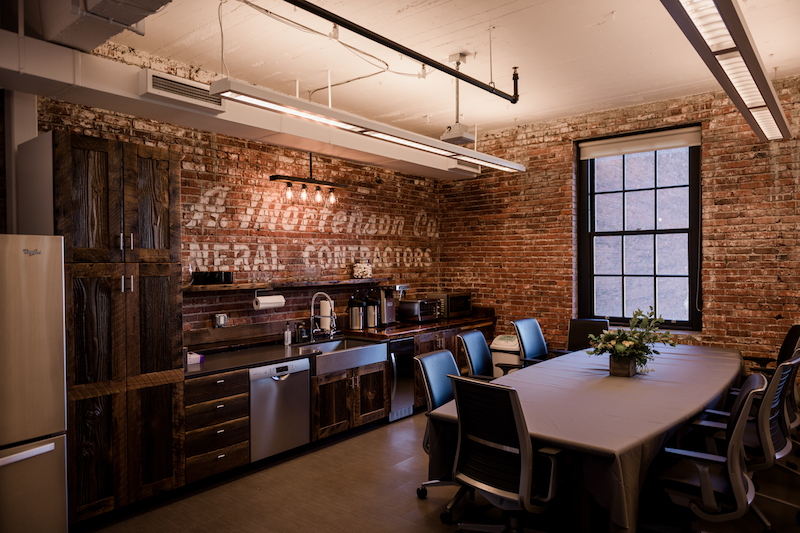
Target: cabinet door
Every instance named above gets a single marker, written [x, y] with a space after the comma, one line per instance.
[155, 434]
[152, 205]
[95, 316]
[330, 401]
[88, 197]
[153, 315]
[370, 394]
[96, 450]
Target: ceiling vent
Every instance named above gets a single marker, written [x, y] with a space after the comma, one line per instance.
[167, 88]
[467, 169]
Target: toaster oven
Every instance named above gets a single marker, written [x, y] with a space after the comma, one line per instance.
[453, 304]
[418, 310]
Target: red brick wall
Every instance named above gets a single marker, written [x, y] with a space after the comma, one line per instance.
[510, 237]
[507, 237]
[233, 218]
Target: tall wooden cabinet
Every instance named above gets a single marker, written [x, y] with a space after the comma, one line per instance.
[117, 205]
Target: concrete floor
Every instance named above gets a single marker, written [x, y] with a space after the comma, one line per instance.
[363, 483]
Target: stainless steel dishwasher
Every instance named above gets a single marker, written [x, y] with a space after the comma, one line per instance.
[280, 408]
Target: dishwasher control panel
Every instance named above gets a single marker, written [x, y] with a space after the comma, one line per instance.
[279, 369]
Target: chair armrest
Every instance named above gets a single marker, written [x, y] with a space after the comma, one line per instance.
[697, 456]
[480, 378]
[507, 367]
[551, 453]
[710, 424]
[526, 361]
[725, 414]
[558, 353]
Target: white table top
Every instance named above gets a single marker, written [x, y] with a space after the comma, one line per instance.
[619, 423]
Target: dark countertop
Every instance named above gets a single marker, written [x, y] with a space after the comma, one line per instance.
[256, 352]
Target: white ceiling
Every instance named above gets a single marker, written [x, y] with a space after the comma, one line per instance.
[574, 56]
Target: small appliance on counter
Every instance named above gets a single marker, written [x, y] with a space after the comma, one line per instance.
[418, 310]
[389, 298]
[356, 311]
[453, 304]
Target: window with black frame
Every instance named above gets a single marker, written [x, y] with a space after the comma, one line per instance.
[639, 227]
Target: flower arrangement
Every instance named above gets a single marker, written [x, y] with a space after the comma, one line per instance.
[635, 343]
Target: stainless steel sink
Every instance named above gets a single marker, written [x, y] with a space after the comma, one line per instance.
[338, 355]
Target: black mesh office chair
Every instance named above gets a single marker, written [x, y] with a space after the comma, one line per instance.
[715, 487]
[479, 356]
[495, 455]
[435, 367]
[532, 346]
[579, 331]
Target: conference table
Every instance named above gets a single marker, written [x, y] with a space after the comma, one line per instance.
[615, 425]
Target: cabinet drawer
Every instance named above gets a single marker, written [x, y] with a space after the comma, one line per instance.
[210, 438]
[217, 411]
[215, 386]
[211, 463]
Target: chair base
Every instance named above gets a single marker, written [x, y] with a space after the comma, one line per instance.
[512, 522]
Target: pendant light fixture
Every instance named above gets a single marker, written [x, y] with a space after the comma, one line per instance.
[717, 31]
[319, 198]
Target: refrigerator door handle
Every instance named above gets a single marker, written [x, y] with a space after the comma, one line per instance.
[21, 456]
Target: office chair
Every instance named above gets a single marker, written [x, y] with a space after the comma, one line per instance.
[479, 356]
[766, 438]
[495, 455]
[532, 346]
[715, 487]
[579, 331]
[434, 368]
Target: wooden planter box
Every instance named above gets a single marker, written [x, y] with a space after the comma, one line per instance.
[625, 367]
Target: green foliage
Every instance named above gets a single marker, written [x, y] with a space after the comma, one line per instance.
[634, 343]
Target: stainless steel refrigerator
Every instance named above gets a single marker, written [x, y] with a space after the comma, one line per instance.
[33, 486]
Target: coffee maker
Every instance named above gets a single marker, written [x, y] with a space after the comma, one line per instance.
[389, 296]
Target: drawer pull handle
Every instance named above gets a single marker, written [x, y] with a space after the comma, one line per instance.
[221, 456]
[220, 406]
[220, 431]
[220, 381]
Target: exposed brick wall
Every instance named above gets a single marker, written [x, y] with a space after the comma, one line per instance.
[511, 238]
[508, 238]
[233, 218]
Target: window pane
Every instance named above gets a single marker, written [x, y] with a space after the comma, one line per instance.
[639, 255]
[673, 208]
[607, 296]
[673, 167]
[608, 255]
[639, 208]
[608, 212]
[608, 174]
[640, 170]
[672, 254]
[673, 298]
[638, 294]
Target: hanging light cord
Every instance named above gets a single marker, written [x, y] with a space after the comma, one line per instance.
[223, 66]
[364, 56]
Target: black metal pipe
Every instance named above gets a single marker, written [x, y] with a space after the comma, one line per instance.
[372, 36]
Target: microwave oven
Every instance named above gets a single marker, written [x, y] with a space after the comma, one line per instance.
[453, 304]
[418, 310]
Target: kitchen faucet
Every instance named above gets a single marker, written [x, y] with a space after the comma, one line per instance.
[313, 316]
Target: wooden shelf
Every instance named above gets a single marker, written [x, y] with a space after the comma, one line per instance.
[281, 285]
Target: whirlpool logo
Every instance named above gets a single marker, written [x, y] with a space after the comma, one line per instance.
[33, 252]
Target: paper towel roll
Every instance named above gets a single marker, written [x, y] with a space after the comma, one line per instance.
[325, 313]
[268, 302]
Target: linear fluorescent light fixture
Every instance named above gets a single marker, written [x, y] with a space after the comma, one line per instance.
[288, 105]
[717, 31]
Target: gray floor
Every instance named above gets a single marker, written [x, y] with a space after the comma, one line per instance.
[364, 483]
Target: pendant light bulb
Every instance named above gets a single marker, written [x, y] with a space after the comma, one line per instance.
[318, 195]
[304, 193]
[288, 191]
[331, 197]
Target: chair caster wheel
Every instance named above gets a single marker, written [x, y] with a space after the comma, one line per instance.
[422, 493]
[446, 517]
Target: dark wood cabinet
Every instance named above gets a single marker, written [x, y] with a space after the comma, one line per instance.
[217, 423]
[348, 398]
[117, 206]
[116, 201]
